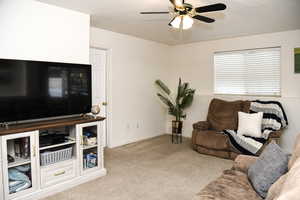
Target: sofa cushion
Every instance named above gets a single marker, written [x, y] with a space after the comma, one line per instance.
[295, 153]
[271, 164]
[212, 140]
[291, 187]
[232, 185]
[224, 114]
[276, 188]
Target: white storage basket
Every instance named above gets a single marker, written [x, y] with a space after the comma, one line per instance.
[48, 158]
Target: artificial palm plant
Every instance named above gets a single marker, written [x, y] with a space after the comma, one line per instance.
[176, 103]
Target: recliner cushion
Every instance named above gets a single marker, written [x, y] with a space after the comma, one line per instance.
[212, 140]
[224, 114]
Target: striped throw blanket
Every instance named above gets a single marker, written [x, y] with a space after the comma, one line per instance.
[274, 119]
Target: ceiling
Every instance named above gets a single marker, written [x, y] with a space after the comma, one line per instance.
[242, 17]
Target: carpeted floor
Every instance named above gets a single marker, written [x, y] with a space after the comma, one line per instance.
[153, 169]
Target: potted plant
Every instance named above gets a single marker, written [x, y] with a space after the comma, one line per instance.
[176, 104]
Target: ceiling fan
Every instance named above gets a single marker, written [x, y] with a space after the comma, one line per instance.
[185, 13]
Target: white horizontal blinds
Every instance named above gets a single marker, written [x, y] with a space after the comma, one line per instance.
[230, 73]
[263, 71]
[249, 72]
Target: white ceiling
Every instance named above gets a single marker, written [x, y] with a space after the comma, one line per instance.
[242, 17]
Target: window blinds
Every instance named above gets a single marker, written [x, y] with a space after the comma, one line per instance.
[248, 72]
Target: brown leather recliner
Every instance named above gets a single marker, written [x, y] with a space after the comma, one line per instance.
[222, 115]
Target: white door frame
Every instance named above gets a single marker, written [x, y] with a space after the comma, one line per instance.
[108, 94]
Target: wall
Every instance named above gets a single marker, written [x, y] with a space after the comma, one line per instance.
[134, 65]
[31, 30]
[198, 69]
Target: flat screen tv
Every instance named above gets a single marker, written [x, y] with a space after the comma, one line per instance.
[32, 90]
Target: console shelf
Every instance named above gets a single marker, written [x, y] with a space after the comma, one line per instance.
[19, 162]
[85, 147]
[58, 145]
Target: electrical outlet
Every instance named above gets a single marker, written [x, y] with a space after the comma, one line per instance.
[137, 125]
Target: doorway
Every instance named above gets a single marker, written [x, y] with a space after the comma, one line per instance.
[98, 60]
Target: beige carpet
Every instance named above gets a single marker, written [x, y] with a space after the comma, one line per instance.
[153, 169]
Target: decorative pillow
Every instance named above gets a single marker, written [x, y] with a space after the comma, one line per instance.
[250, 124]
[271, 164]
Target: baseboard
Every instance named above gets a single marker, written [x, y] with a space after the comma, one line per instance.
[43, 193]
[135, 140]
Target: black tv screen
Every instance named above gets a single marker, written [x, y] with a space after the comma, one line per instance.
[34, 90]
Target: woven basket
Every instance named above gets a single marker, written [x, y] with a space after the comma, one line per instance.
[48, 158]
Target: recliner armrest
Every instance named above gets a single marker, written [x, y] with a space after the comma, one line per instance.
[201, 126]
[276, 134]
[243, 162]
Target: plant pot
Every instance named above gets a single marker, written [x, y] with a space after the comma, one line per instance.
[177, 127]
[177, 131]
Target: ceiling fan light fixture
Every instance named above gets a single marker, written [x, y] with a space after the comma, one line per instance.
[176, 22]
[186, 21]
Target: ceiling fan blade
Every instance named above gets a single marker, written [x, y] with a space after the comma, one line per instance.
[211, 8]
[171, 21]
[204, 19]
[150, 13]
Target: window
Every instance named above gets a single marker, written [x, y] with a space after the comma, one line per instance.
[248, 72]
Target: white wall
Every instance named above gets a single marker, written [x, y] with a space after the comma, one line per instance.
[31, 30]
[134, 110]
[198, 69]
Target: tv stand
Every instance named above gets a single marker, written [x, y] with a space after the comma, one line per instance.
[73, 159]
